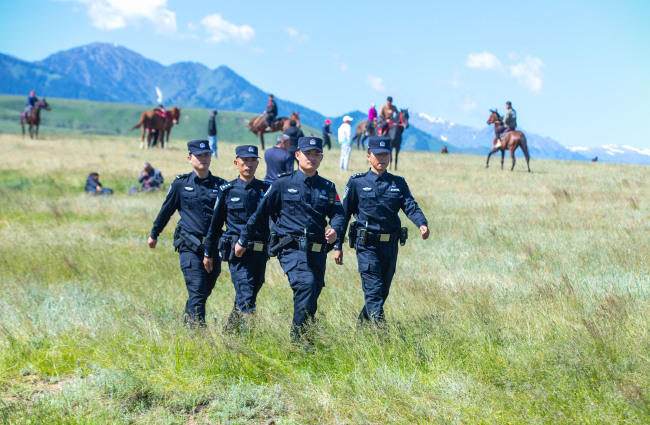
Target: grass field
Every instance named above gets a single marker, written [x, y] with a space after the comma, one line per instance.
[530, 303]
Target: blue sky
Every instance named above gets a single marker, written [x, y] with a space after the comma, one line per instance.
[576, 71]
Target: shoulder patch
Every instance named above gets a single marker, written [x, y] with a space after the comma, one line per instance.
[180, 176]
[285, 174]
[223, 187]
[356, 176]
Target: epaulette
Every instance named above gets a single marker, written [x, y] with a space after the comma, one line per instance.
[223, 187]
[285, 174]
[355, 176]
[180, 176]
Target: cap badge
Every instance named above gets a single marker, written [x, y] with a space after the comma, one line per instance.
[382, 144]
[312, 142]
[202, 145]
[251, 149]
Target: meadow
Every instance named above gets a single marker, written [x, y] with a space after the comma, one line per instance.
[529, 304]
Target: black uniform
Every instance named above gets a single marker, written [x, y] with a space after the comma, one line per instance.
[194, 199]
[302, 205]
[236, 202]
[326, 136]
[294, 133]
[271, 112]
[375, 201]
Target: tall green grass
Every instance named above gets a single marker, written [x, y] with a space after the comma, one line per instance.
[528, 304]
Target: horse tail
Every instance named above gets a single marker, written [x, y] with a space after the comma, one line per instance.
[139, 124]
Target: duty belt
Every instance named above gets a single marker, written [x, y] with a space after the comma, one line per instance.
[257, 246]
[312, 246]
[382, 237]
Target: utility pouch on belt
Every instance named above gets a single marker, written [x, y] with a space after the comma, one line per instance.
[362, 236]
[224, 248]
[285, 241]
[177, 239]
[191, 242]
[273, 242]
[352, 233]
[403, 235]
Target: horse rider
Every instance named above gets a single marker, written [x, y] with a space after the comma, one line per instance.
[160, 110]
[509, 120]
[271, 112]
[388, 111]
[31, 102]
[372, 118]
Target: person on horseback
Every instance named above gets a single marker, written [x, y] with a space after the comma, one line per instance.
[271, 112]
[509, 120]
[160, 110]
[31, 102]
[372, 118]
[388, 111]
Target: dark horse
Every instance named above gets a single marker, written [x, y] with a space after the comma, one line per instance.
[157, 126]
[363, 132]
[395, 130]
[512, 141]
[34, 118]
[258, 125]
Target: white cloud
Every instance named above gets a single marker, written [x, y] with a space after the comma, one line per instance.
[485, 60]
[159, 96]
[468, 104]
[116, 14]
[192, 26]
[343, 67]
[296, 35]
[529, 73]
[375, 83]
[221, 30]
[257, 49]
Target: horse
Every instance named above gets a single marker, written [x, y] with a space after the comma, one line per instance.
[157, 125]
[34, 118]
[363, 133]
[512, 141]
[395, 130]
[258, 125]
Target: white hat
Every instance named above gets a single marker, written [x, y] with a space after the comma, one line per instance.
[347, 118]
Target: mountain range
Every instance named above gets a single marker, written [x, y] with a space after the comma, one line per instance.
[108, 72]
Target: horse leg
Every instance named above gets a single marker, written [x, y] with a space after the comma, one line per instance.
[262, 139]
[512, 154]
[503, 155]
[396, 156]
[142, 138]
[36, 132]
[487, 163]
[524, 147]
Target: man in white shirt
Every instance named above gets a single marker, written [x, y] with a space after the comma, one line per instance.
[345, 141]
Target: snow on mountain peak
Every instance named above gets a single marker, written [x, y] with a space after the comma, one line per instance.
[431, 119]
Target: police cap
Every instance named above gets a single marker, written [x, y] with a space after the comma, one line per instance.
[246, 151]
[198, 147]
[308, 143]
[378, 144]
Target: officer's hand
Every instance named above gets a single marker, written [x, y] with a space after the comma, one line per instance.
[152, 242]
[207, 263]
[330, 235]
[338, 256]
[239, 250]
[424, 230]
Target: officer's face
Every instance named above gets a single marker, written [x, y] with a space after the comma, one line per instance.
[200, 162]
[247, 166]
[379, 161]
[309, 160]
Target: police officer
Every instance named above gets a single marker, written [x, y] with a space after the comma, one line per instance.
[193, 195]
[301, 201]
[375, 198]
[236, 202]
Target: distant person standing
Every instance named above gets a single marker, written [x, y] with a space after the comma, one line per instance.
[326, 134]
[375, 199]
[236, 202]
[212, 132]
[345, 141]
[193, 195]
[294, 133]
[271, 112]
[278, 159]
[94, 187]
[388, 111]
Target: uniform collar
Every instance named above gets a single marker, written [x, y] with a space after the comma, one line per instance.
[242, 183]
[377, 177]
[302, 176]
[196, 176]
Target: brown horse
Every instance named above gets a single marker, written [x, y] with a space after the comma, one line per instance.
[157, 126]
[395, 130]
[258, 125]
[363, 132]
[34, 118]
[512, 141]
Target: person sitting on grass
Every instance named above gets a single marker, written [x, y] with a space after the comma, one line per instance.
[94, 187]
[150, 180]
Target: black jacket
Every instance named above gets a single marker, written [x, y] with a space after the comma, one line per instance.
[294, 133]
[212, 126]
